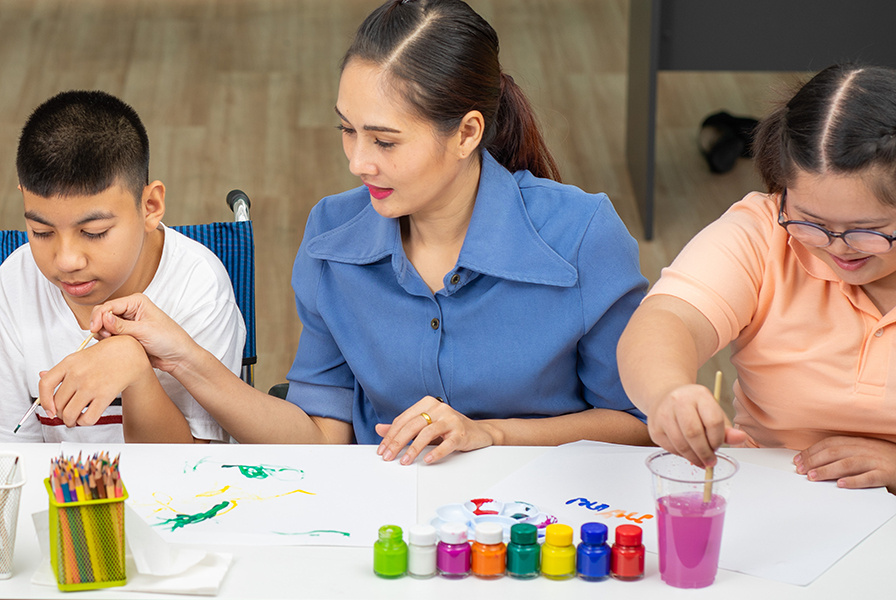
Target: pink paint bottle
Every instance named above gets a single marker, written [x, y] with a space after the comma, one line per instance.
[453, 552]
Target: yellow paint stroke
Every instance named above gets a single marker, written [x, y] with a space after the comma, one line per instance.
[164, 505]
[213, 493]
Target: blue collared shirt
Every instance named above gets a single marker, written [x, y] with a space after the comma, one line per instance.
[526, 325]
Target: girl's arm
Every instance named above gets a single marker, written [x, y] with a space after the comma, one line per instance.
[662, 347]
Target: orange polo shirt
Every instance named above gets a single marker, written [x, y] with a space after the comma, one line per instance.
[814, 356]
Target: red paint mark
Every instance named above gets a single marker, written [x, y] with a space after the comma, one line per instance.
[478, 502]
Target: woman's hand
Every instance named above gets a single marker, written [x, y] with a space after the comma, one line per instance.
[164, 340]
[689, 422]
[452, 431]
[855, 462]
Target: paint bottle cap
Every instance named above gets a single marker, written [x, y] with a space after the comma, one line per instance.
[422, 535]
[628, 535]
[453, 532]
[489, 533]
[558, 534]
[524, 534]
[390, 533]
[594, 533]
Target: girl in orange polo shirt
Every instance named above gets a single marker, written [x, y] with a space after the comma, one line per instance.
[801, 281]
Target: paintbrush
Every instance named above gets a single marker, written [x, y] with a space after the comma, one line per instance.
[707, 487]
[37, 400]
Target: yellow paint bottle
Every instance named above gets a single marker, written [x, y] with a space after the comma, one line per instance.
[558, 555]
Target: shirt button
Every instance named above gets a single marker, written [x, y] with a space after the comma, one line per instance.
[434, 323]
[439, 398]
[455, 279]
[878, 333]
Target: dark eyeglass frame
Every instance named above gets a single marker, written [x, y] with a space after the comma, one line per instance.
[831, 235]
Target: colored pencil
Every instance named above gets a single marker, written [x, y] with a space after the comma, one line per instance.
[90, 543]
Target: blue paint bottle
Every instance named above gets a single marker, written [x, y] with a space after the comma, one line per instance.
[593, 553]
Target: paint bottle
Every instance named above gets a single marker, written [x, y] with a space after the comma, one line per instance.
[390, 553]
[558, 555]
[523, 551]
[422, 551]
[627, 557]
[593, 553]
[488, 552]
[453, 551]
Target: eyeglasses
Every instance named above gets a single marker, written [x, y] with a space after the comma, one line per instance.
[865, 241]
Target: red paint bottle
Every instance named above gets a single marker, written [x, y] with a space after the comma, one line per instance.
[627, 556]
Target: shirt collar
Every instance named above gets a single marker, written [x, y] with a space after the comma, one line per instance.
[819, 269]
[813, 265]
[501, 240]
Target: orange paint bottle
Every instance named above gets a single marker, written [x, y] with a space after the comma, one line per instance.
[489, 554]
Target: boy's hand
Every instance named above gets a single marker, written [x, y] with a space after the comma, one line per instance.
[136, 316]
[689, 422]
[451, 430]
[855, 462]
[86, 382]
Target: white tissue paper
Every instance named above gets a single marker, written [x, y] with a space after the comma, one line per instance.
[153, 565]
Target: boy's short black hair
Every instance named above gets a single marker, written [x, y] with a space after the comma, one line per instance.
[81, 143]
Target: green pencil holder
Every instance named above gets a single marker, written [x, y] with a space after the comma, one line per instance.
[87, 542]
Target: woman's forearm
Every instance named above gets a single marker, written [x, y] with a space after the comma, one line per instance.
[599, 424]
[248, 414]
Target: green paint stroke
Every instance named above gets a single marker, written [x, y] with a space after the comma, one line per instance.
[262, 471]
[314, 532]
[198, 463]
[182, 520]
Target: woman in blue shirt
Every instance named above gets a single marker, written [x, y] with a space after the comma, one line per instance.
[462, 296]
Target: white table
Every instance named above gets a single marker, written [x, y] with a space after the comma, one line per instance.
[869, 571]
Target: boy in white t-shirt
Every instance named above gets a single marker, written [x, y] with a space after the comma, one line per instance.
[94, 227]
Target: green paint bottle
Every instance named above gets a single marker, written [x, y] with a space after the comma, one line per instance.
[390, 553]
[523, 551]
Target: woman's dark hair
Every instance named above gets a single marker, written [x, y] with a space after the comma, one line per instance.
[842, 121]
[82, 142]
[444, 58]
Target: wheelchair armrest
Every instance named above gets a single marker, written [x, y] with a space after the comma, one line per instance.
[279, 390]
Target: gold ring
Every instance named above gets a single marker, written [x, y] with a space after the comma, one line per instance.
[426, 418]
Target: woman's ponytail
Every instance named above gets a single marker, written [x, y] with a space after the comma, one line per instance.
[516, 141]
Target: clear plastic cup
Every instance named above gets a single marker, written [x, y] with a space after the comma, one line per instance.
[12, 478]
[690, 513]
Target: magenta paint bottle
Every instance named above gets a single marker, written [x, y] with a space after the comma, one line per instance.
[453, 552]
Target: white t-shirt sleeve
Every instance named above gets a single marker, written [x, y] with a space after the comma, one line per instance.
[15, 397]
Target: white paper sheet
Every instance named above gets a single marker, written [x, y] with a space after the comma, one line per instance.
[265, 495]
[778, 525]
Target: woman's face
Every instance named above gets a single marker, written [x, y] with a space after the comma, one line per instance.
[839, 203]
[408, 167]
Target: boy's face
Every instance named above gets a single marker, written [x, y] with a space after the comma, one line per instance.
[94, 248]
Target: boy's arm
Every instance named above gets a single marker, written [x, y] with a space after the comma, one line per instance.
[86, 382]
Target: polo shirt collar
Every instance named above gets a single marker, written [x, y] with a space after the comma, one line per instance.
[818, 269]
[501, 240]
[813, 265]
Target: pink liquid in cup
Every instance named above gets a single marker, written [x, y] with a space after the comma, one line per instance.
[690, 535]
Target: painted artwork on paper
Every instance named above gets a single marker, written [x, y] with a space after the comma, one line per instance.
[269, 495]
